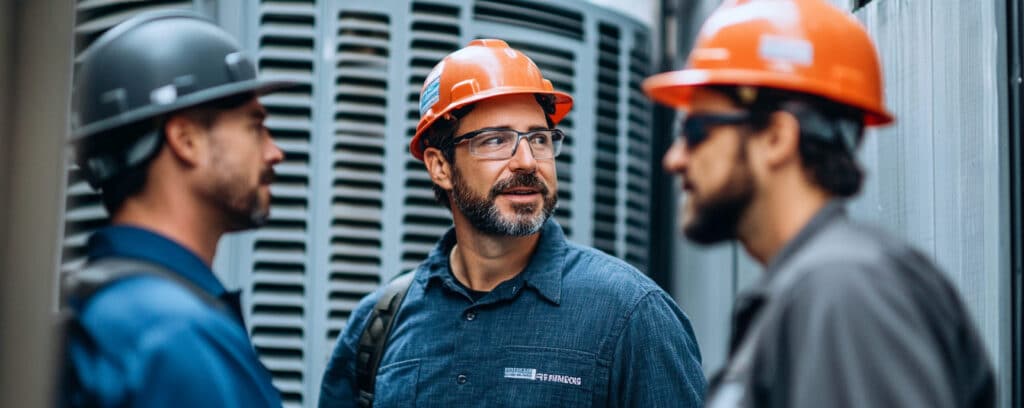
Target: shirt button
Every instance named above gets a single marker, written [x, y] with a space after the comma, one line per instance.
[462, 379]
[470, 315]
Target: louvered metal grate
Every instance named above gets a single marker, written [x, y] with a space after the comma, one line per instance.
[638, 167]
[360, 85]
[277, 288]
[606, 186]
[539, 16]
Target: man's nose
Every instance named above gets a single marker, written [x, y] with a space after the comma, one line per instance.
[522, 159]
[677, 158]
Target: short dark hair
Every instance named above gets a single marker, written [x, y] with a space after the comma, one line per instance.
[440, 136]
[130, 181]
[441, 133]
[828, 148]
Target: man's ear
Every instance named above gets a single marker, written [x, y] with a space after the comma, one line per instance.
[185, 139]
[438, 167]
[781, 141]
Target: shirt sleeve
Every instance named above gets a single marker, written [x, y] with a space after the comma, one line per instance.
[338, 387]
[854, 338]
[657, 362]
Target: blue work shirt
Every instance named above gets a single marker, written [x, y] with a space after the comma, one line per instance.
[156, 344]
[576, 328]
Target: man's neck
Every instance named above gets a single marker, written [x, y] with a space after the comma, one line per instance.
[775, 219]
[481, 262]
[185, 224]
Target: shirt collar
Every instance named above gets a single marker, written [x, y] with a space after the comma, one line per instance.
[833, 210]
[543, 272]
[138, 243]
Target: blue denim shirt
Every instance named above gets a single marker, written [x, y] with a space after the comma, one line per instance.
[155, 344]
[576, 328]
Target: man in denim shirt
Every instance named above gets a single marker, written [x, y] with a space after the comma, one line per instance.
[505, 311]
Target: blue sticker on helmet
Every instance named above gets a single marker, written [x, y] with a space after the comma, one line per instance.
[430, 95]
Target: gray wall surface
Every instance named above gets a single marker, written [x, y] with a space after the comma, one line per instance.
[35, 83]
[937, 178]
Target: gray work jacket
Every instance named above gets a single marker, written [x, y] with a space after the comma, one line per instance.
[848, 316]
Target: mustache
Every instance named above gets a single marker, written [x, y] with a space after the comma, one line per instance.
[520, 180]
[268, 176]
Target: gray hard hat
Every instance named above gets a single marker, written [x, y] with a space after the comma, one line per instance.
[148, 66]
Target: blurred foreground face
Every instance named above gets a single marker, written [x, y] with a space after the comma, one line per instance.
[712, 165]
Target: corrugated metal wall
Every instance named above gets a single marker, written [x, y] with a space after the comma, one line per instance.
[351, 207]
[937, 178]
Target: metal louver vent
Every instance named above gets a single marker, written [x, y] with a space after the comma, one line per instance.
[280, 255]
[638, 167]
[360, 110]
[606, 194]
[434, 32]
[84, 212]
[538, 16]
[95, 17]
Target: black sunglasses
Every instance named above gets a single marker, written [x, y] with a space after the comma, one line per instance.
[697, 126]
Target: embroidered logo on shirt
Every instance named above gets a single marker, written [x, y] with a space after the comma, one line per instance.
[532, 375]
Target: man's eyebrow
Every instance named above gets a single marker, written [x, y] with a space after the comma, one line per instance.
[507, 126]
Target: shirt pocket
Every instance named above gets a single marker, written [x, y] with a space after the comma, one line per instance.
[396, 384]
[544, 377]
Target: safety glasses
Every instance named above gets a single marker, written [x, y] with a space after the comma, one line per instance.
[502, 143]
[697, 126]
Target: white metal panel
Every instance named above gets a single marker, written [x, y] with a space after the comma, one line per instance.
[940, 183]
[274, 263]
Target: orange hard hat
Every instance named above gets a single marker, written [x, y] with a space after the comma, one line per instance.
[806, 46]
[483, 69]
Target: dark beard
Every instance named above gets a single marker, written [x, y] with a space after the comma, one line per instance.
[718, 219]
[485, 216]
[243, 209]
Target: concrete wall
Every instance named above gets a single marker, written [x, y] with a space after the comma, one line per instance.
[938, 177]
[34, 98]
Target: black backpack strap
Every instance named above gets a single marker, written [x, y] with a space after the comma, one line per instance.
[375, 336]
[81, 285]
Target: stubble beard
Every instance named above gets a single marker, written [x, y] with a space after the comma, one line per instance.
[241, 206]
[485, 216]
